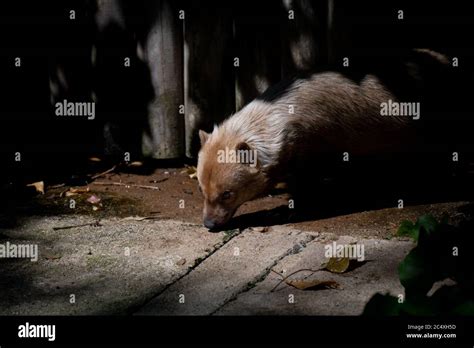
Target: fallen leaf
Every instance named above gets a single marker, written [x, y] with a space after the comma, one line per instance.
[135, 164]
[39, 186]
[93, 199]
[79, 189]
[95, 159]
[314, 284]
[281, 186]
[191, 171]
[338, 264]
[342, 265]
[263, 229]
[75, 191]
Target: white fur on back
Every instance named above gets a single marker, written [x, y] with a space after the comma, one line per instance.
[258, 124]
[326, 104]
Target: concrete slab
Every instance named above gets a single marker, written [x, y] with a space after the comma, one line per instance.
[378, 274]
[109, 269]
[233, 269]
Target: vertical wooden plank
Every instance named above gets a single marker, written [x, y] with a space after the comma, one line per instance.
[305, 35]
[123, 90]
[257, 44]
[164, 51]
[208, 73]
[330, 32]
[344, 35]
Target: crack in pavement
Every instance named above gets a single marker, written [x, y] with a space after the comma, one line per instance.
[296, 249]
[226, 239]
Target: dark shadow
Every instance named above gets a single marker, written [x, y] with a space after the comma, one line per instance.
[258, 46]
[123, 92]
[210, 89]
[343, 196]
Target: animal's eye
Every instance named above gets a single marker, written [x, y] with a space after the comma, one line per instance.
[226, 195]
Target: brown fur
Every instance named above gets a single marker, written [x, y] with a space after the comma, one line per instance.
[332, 113]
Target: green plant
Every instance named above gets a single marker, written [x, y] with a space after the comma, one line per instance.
[442, 252]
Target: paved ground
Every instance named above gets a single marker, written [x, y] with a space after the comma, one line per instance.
[163, 267]
[105, 258]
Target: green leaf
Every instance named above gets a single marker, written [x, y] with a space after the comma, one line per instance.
[408, 228]
[425, 225]
[428, 223]
[430, 261]
[466, 308]
[415, 273]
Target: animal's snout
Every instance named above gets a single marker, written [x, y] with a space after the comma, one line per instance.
[209, 223]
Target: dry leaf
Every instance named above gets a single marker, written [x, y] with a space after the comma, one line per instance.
[191, 171]
[75, 191]
[135, 164]
[263, 229]
[313, 284]
[281, 186]
[93, 199]
[95, 159]
[338, 264]
[39, 186]
[79, 189]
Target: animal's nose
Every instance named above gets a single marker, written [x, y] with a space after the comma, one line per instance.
[209, 223]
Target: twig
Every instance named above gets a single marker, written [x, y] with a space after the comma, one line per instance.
[141, 218]
[94, 224]
[56, 186]
[289, 275]
[122, 184]
[103, 173]
[278, 274]
[159, 180]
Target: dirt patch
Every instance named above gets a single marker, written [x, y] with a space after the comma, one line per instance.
[176, 196]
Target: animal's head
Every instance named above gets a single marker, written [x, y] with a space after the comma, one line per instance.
[229, 174]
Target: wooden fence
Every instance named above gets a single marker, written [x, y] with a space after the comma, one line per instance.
[159, 70]
[208, 59]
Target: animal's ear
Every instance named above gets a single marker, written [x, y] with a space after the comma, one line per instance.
[250, 157]
[243, 146]
[203, 136]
